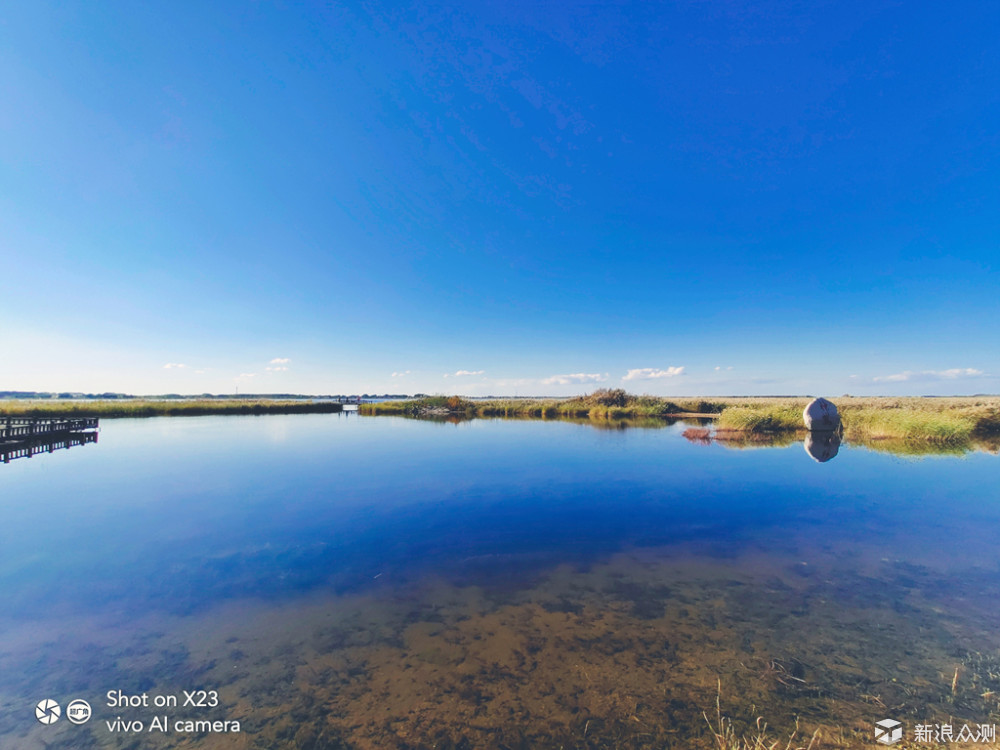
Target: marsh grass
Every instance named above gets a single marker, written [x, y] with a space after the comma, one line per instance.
[959, 423]
[943, 421]
[876, 424]
[727, 738]
[151, 408]
[604, 404]
[783, 418]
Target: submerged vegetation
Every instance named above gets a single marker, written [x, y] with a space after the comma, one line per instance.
[727, 738]
[957, 422]
[155, 408]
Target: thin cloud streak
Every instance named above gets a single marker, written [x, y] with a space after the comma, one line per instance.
[650, 373]
[577, 377]
[930, 375]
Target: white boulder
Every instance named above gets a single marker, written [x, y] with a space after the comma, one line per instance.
[821, 415]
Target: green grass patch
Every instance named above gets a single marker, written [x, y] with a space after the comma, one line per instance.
[779, 418]
[882, 424]
[428, 406]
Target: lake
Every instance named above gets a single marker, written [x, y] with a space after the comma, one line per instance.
[339, 581]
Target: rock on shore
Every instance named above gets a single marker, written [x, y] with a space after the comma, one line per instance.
[821, 415]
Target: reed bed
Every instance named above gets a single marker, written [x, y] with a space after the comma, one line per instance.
[600, 405]
[153, 408]
[940, 420]
[783, 418]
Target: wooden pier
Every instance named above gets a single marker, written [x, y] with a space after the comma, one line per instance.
[23, 437]
[26, 428]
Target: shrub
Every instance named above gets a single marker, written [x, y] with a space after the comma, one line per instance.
[610, 397]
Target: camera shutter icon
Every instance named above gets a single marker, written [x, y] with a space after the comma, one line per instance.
[888, 731]
[47, 711]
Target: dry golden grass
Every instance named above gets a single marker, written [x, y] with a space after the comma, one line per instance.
[727, 738]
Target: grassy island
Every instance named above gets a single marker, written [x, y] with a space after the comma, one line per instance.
[939, 420]
[602, 404]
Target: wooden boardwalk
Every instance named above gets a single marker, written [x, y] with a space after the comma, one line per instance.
[15, 429]
[23, 437]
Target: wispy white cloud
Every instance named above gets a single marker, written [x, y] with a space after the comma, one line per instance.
[462, 373]
[719, 368]
[280, 361]
[400, 374]
[968, 372]
[930, 375]
[650, 373]
[501, 382]
[896, 378]
[576, 377]
[243, 375]
[173, 366]
[275, 369]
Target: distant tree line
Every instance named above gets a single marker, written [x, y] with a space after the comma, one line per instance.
[167, 396]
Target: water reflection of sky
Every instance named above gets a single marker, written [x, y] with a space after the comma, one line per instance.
[416, 579]
[180, 513]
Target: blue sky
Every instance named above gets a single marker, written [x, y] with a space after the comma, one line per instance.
[500, 198]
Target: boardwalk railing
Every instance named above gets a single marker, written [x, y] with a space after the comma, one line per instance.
[18, 429]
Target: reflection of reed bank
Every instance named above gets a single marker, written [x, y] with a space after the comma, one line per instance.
[23, 437]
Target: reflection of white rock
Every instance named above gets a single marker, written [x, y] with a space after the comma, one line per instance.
[822, 446]
[821, 414]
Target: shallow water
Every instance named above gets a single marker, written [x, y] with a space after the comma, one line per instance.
[352, 582]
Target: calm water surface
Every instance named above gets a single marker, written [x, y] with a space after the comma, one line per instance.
[352, 582]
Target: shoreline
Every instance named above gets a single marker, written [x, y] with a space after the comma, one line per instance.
[941, 420]
[126, 408]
